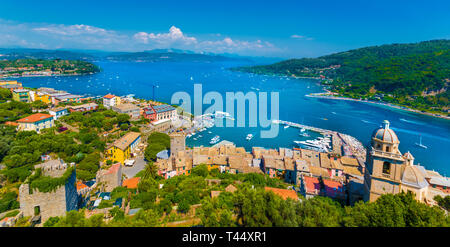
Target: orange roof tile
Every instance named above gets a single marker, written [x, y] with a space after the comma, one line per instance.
[81, 186]
[283, 193]
[34, 118]
[312, 184]
[109, 96]
[11, 123]
[131, 183]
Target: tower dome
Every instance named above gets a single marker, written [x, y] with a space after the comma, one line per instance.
[385, 134]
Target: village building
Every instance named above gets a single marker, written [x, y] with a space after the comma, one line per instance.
[44, 205]
[36, 95]
[12, 87]
[109, 179]
[66, 98]
[84, 108]
[123, 148]
[58, 112]
[159, 112]
[110, 100]
[132, 110]
[21, 95]
[36, 122]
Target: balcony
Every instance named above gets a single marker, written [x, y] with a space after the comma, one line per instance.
[386, 154]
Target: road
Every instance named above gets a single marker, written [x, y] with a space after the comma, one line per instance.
[139, 165]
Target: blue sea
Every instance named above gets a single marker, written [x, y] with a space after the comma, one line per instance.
[353, 118]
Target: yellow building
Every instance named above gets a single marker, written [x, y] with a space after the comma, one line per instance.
[21, 95]
[2, 83]
[123, 148]
[42, 97]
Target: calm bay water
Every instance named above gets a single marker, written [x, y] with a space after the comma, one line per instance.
[353, 118]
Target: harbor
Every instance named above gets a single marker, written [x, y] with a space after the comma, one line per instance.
[331, 142]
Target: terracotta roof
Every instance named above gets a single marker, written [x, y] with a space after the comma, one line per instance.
[131, 183]
[81, 185]
[283, 193]
[34, 118]
[109, 96]
[333, 188]
[312, 185]
[11, 123]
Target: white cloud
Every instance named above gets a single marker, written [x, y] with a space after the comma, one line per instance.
[174, 35]
[296, 36]
[80, 36]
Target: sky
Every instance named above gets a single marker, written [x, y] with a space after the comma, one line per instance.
[279, 28]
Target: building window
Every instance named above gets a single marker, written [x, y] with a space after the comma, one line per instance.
[388, 149]
[37, 210]
[386, 167]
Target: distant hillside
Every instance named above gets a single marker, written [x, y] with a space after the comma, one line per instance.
[156, 55]
[415, 75]
[24, 53]
[170, 56]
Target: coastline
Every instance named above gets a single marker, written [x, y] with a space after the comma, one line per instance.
[328, 96]
[28, 76]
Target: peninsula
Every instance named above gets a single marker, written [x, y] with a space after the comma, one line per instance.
[414, 76]
[42, 67]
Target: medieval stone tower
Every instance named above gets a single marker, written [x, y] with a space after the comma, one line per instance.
[54, 203]
[385, 164]
[177, 143]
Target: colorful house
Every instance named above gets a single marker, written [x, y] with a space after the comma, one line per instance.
[67, 98]
[36, 122]
[21, 95]
[110, 100]
[58, 112]
[42, 97]
[123, 148]
[159, 112]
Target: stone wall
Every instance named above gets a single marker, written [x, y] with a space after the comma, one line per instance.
[51, 204]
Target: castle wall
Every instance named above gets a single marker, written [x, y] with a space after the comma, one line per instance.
[51, 204]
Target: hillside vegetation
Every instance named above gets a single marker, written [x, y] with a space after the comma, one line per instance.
[415, 75]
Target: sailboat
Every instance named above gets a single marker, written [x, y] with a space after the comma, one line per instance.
[420, 143]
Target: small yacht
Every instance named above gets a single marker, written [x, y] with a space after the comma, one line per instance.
[304, 134]
[249, 137]
[420, 143]
[287, 126]
[215, 140]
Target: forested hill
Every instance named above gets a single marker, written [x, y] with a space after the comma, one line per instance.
[415, 75]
